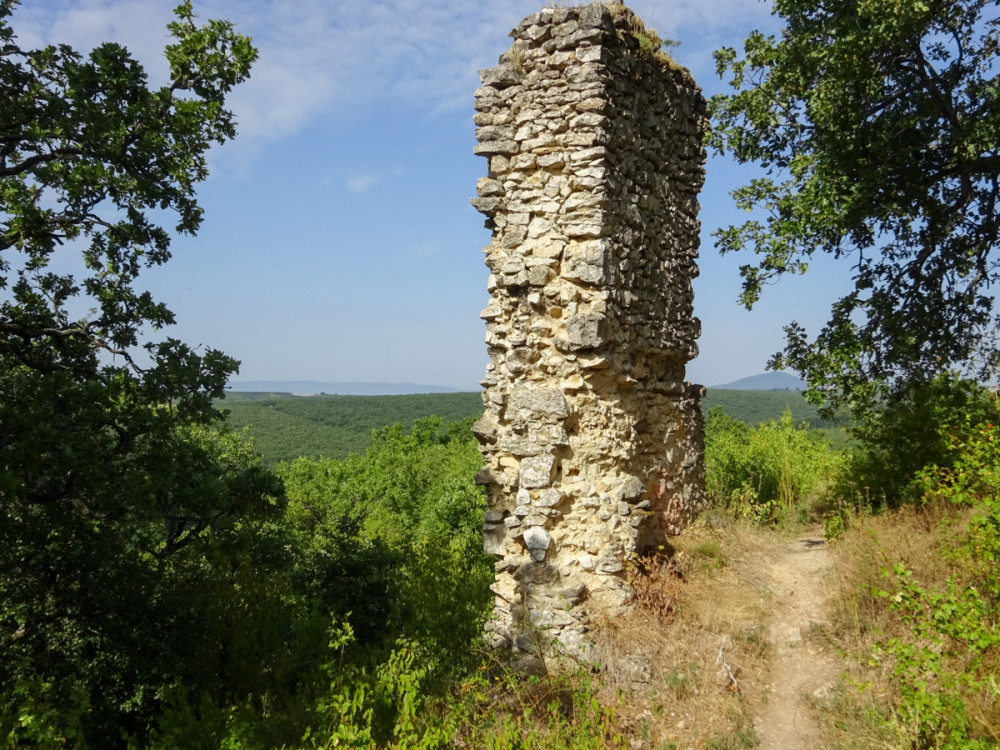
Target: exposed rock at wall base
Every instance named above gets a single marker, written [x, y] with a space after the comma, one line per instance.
[593, 441]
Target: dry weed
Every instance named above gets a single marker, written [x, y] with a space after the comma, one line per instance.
[692, 653]
[861, 713]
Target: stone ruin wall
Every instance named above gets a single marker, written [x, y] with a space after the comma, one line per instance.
[592, 439]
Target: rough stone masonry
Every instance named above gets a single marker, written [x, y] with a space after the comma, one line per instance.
[592, 439]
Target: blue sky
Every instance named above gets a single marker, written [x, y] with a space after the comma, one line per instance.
[339, 243]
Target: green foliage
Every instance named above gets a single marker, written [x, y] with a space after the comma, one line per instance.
[140, 548]
[873, 120]
[500, 710]
[954, 625]
[404, 488]
[760, 472]
[407, 518]
[756, 406]
[108, 613]
[286, 427]
[946, 666]
[905, 434]
[492, 707]
[972, 478]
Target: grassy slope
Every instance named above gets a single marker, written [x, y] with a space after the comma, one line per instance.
[286, 426]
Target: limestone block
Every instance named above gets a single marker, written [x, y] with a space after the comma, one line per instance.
[494, 133]
[561, 597]
[545, 619]
[486, 428]
[539, 274]
[486, 205]
[609, 565]
[500, 77]
[513, 237]
[486, 187]
[535, 572]
[589, 54]
[586, 262]
[537, 540]
[525, 404]
[586, 331]
[551, 161]
[493, 536]
[490, 148]
[583, 229]
[536, 471]
[548, 499]
[491, 312]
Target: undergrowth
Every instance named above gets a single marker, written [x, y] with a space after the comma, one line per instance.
[919, 606]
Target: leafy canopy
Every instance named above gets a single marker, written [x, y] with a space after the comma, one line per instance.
[91, 159]
[123, 510]
[876, 124]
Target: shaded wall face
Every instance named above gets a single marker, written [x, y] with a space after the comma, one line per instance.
[592, 440]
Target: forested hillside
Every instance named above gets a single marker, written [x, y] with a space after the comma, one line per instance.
[754, 407]
[285, 427]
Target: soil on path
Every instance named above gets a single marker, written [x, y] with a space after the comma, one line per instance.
[803, 669]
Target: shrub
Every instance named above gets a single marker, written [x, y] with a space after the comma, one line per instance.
[902, 437]
[760, 472]
[946, 665]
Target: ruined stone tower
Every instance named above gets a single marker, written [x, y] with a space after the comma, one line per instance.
[592, 439]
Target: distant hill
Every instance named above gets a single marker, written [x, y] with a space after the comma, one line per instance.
[767, 381]
[286, 426]
[753, 407]
[313, 387]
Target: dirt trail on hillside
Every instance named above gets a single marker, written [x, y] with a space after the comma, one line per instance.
[803, 668]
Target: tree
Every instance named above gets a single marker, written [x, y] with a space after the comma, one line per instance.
[876, 123]
[121, 506]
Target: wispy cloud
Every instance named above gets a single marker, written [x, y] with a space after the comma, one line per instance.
[362, 183]
[424, 250]
[320, 59]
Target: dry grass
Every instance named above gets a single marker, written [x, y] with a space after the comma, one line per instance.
[862, 713]
[692, 654]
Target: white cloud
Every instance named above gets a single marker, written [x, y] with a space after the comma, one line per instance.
[362, 183]
[322, 59]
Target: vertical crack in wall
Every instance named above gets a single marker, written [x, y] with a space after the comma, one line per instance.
[593, 441]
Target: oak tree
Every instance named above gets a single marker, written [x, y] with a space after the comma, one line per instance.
[121, 506]
[877, 126]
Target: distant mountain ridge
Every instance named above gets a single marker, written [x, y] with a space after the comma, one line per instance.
[766, 381]
[313, 387]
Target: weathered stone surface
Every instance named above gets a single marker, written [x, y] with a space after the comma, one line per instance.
[527, 404]
[592, 440]
[586, 262]
[537, 540]
[586, 331]
[536, 471]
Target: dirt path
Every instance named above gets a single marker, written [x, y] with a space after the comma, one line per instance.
[802, 668]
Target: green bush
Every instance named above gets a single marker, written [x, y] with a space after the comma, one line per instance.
[390, 544]
[761, 472]
[946, 666]
[902, 436]
[102, 615]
